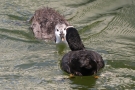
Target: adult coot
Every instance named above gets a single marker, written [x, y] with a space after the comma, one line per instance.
[79, 61]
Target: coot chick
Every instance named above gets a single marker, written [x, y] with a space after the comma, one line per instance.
[44, 21]
[79, 61]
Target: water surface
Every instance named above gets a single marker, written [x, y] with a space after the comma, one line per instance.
[105, 26]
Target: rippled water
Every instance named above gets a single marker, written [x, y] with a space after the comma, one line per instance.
[106, 26]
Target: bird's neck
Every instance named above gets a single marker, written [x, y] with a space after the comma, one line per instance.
[76, 45]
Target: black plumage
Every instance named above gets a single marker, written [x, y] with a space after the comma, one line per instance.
[79, 61]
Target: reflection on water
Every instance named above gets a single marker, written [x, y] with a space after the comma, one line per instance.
[106, 26]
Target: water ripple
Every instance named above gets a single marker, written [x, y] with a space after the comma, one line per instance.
[105, 26]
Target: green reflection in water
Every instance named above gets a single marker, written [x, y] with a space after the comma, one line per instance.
[106, 26]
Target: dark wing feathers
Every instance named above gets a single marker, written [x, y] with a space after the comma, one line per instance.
[82, 62]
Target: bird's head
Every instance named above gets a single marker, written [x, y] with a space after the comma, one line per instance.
[60, 33]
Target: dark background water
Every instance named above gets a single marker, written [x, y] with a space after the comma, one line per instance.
[105, 26]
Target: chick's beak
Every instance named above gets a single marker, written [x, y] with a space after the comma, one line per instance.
[62, 36]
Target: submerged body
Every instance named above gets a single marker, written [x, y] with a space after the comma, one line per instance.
[44, 21]
[79, 61]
